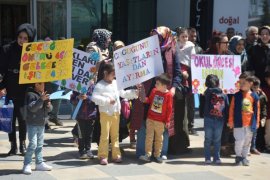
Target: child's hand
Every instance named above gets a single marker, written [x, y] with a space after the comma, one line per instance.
[172, 91]
[230, 126]
[112, 101]
[263, 122]
[82, 96]
[185, 74]
[44, 96]
[3, 92]
[167, 125]
[49, 104]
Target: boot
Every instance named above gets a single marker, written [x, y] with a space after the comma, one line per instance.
[13, 149]
[22, 147]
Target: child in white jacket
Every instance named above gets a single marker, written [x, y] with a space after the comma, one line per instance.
[106, 96]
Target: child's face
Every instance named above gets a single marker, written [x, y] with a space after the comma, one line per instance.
[110, 76]
[160, 87]
[183, 38]
[255, 88]
[267, 80]
[245, 85]
[39, 87]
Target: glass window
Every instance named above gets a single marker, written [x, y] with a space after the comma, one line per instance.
[88, 15]
[51, 19]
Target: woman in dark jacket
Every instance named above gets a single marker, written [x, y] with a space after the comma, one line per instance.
[10, 69]
[259, 55]
[172, 67]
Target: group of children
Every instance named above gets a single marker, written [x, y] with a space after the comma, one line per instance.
[246, 113]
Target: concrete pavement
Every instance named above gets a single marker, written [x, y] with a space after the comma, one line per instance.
[59, 151]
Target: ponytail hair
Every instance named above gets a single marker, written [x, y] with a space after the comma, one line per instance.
[104, 67]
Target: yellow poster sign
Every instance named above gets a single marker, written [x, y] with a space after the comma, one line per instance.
[46, 61]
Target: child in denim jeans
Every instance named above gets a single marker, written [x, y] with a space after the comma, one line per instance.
[215, 113]
[38, 106]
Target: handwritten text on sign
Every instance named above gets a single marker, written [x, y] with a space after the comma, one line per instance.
[46, 61]
[138, 62]
[226, 67]
[83, 70]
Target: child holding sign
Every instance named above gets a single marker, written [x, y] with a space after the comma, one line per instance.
[159, 115]
[106, 96]
[86, 118]
[38, 106]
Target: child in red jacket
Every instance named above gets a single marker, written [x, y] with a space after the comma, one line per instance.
[158, 117]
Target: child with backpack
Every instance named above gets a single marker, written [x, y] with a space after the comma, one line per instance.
[215, 113]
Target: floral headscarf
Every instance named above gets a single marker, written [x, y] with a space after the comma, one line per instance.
[101, 36]
[165, 36]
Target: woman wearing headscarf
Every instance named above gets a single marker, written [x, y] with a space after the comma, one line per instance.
[259, 55]
[10, 68]
[172, 67]
[237, 47]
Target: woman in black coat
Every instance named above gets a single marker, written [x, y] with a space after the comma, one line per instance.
[10, 69]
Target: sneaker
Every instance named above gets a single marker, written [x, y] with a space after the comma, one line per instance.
[164, 157]
[90, 154]
[132, 145]
[217, 162]
[27, 169]
[208, 161]
[118, 160]
[83, 156]
[43, 167]
[159, 160]
[238, 161]
[193, 132]
[145, 158]
[56, 121]
[103, 161]
[255, 151]
[245, 162]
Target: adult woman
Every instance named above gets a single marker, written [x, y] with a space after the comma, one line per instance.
[10, 65]
[259, 55]
[237, 47]
[172, 67]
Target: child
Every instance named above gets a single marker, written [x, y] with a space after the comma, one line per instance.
[158, 117]
[244, 118]
[266, 90]
[184, 50]
[258, 136]
[85, 122]
[38, 106]
[106, 96]
[215, 114]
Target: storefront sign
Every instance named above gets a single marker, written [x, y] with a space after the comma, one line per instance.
[83, 70]
[138, 62]
[231, 13]
[226, 67]
[46, 61]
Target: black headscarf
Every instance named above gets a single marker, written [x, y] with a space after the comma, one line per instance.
[101, 36]
[29, 29]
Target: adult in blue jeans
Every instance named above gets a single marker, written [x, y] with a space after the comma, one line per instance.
[215, 113]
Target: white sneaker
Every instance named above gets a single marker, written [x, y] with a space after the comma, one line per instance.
[27, 169]
[43, 167]
[164, 157]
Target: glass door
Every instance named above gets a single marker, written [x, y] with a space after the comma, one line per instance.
[50, 19]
